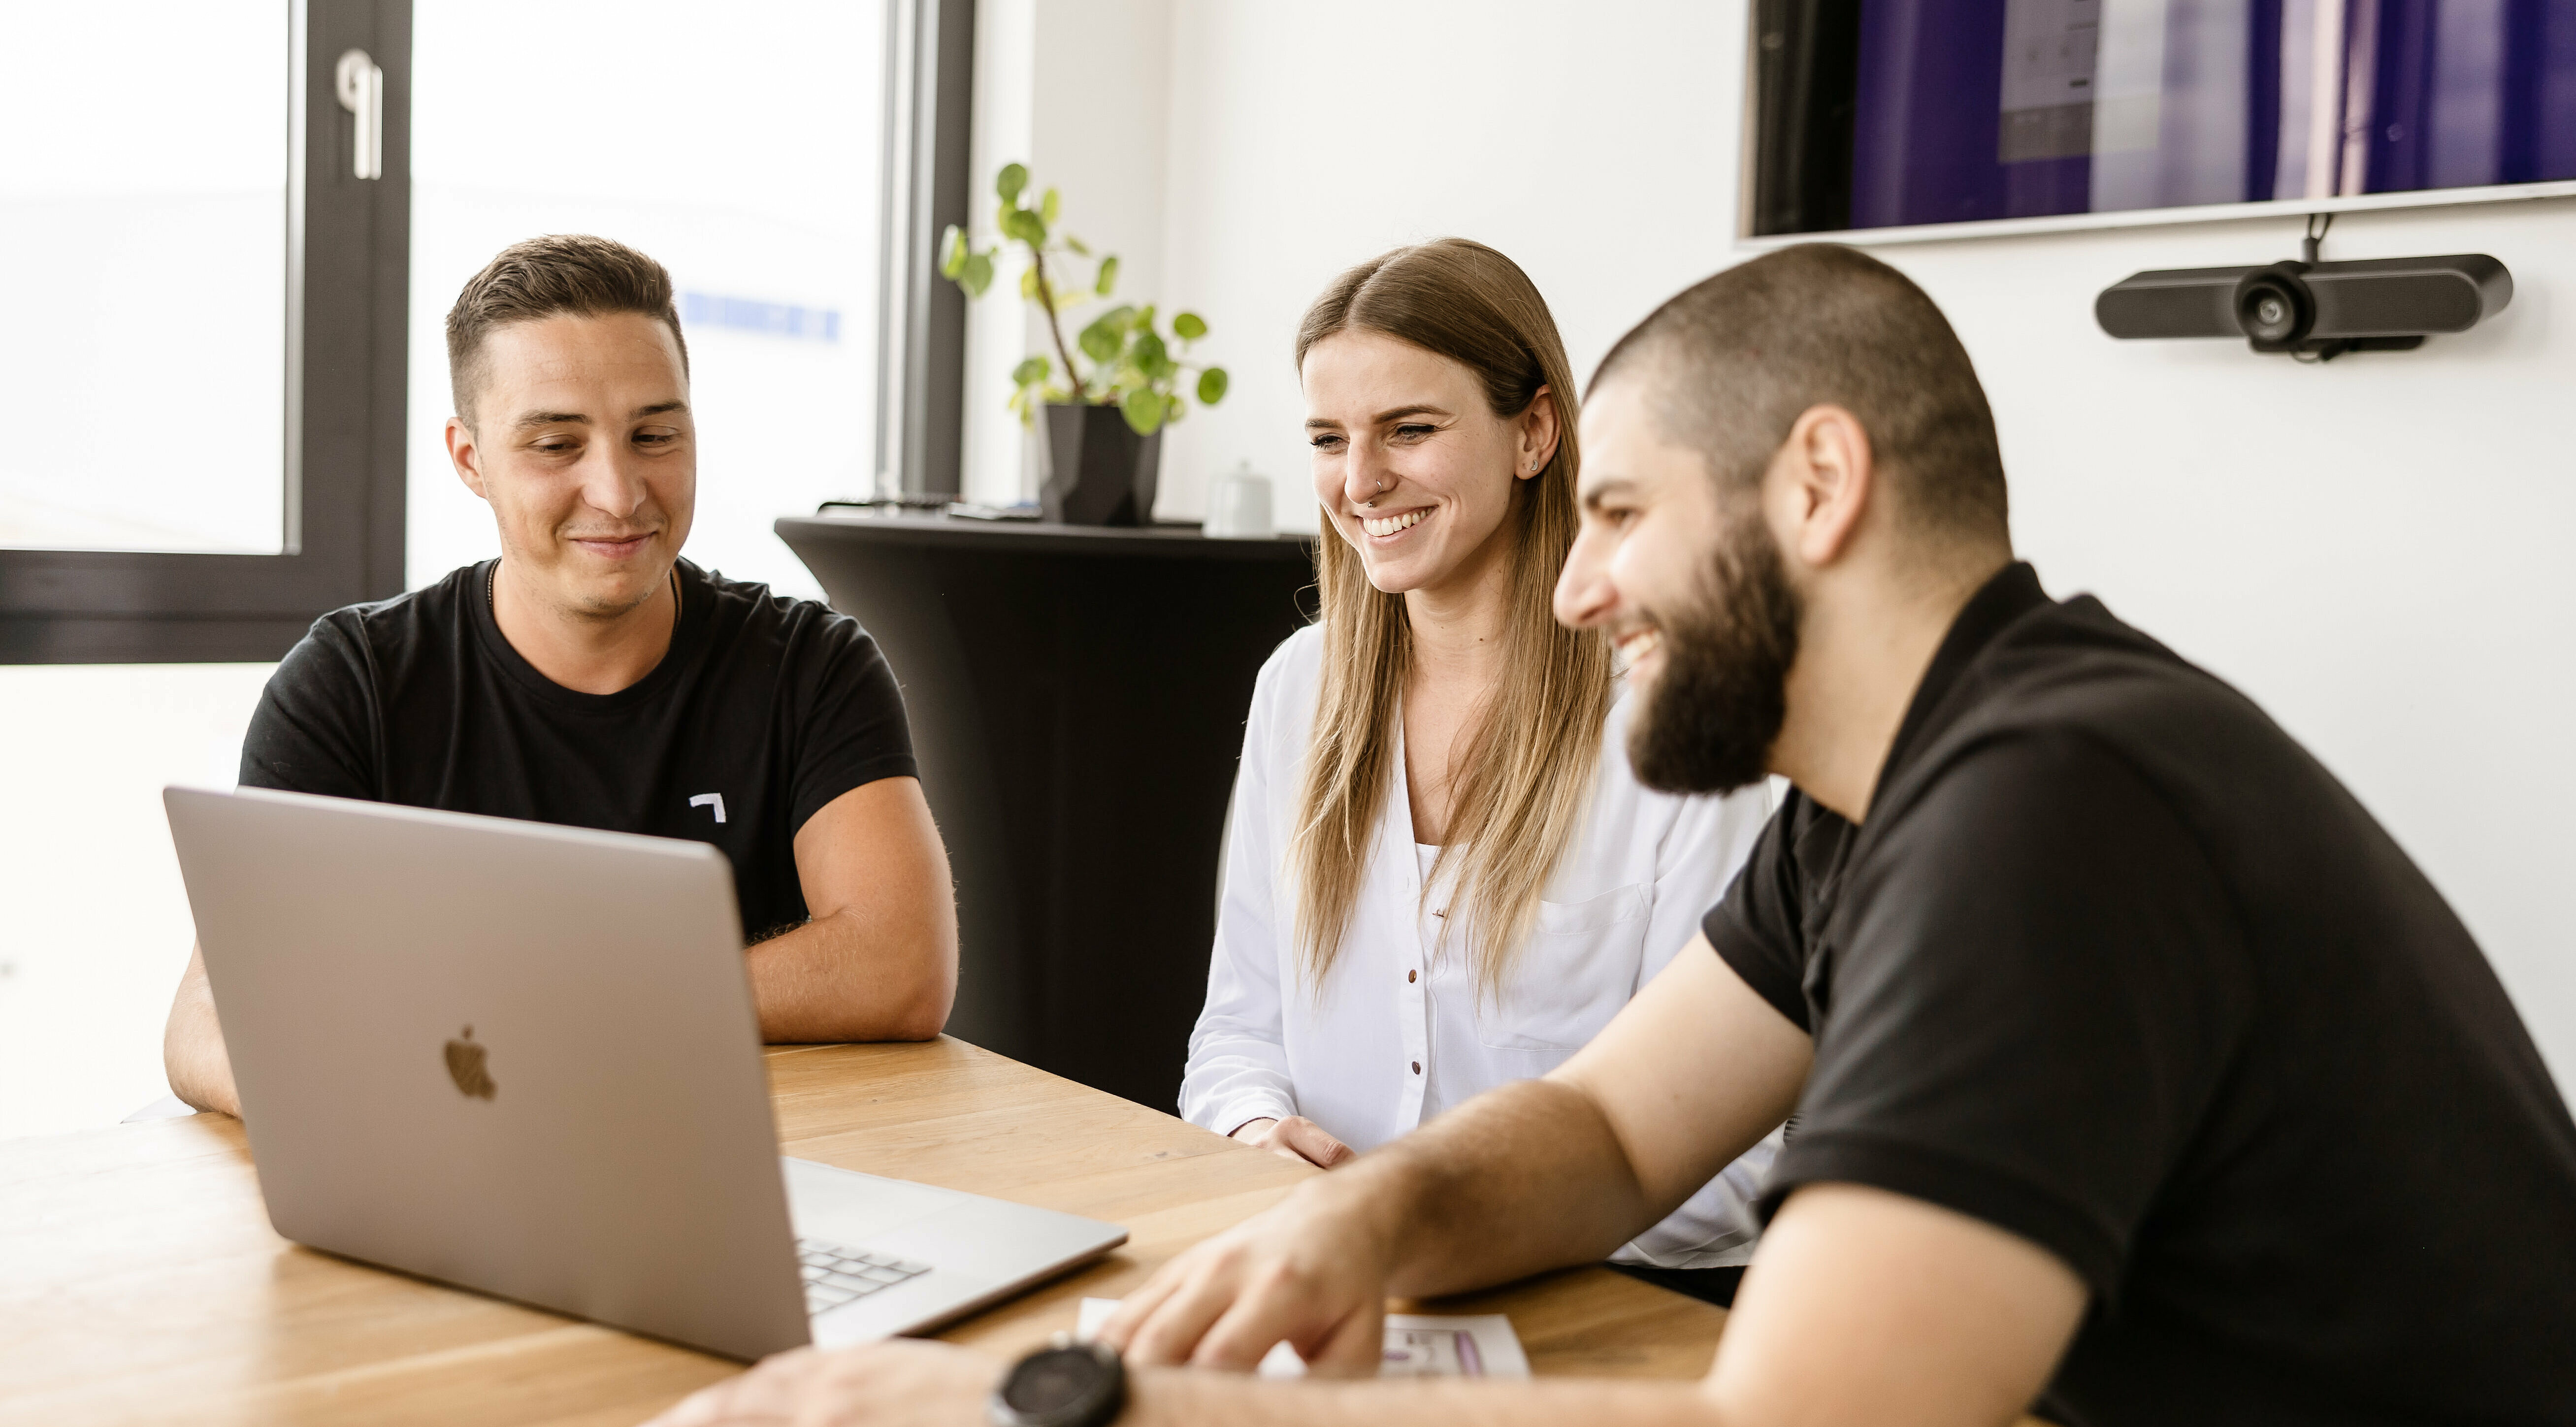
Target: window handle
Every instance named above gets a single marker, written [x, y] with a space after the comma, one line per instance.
[362, 92]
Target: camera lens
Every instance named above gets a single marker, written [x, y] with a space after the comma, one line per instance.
[2267, 313]
[2272, 307]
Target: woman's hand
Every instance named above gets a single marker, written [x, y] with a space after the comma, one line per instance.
[1296, 1137]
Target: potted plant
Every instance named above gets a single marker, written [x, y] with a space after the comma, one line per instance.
[1104, 414]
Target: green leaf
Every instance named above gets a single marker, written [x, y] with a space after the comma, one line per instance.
[1108, 275]
[1010, 181]
[1032, 371]
[1107, 335]
[1212, 386]
[1024, 225]
[1144, 411]
[1080, 248]
[952, 250]
[1174, 409]
[1189, 327]
[1047, 207]
[1149, 355]
[1028, 284]
[978, 274]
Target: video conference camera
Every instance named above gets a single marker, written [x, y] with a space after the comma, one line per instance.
[2311, 309]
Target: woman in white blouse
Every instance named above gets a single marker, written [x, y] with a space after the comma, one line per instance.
[1441, 874]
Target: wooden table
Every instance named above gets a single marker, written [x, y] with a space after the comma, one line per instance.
[140, 1282]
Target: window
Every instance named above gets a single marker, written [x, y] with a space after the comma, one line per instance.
[205, 342]
[746, 155]
[231, 281]
[124, 307]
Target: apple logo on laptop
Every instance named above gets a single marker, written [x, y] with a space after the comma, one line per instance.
[465, 1067]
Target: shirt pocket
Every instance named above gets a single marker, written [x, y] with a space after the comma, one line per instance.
[1579, 968]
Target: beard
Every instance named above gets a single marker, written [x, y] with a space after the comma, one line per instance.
[1708, 723]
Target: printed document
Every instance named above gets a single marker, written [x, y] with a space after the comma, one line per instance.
[1417, 1345]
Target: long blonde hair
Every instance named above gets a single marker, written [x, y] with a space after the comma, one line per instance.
[1523, 772]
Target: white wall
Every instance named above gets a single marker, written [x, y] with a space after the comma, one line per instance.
[1078, 93]
[94, 925]
[2374, 549]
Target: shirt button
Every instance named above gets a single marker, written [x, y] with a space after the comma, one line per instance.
[1408, 978]
[1417, 1067]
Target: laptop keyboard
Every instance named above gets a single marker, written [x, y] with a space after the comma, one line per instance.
[836, 1274]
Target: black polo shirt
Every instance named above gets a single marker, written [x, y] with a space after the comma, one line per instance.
[763, 710]
[2115, 965]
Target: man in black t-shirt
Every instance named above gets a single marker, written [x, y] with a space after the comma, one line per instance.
[2138, 1075]
[592, 677]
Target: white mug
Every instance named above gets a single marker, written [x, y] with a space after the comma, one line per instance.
[1238, 506]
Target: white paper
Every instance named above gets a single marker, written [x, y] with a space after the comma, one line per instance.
[1417, 1345]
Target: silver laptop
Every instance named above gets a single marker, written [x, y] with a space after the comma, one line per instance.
[523, 1059]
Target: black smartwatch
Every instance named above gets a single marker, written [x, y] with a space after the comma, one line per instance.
[1062, 1385]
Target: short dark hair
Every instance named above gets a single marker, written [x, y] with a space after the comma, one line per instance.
[1734, 360]
[561, 272]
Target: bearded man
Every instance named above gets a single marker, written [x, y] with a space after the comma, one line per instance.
[2139, 1077]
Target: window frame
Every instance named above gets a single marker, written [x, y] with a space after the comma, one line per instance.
[348, 288]
[921, 316]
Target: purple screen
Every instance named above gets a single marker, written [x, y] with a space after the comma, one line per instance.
[1960, 110]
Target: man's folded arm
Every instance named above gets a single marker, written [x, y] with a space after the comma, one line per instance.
[1532, 1176]
[1691, 1073]
[878, 960]
[1865, 1309]
[192, 1044]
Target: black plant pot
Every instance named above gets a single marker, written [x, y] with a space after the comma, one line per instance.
[1099, 471]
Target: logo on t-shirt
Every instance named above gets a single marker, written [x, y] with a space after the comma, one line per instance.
[715, 800]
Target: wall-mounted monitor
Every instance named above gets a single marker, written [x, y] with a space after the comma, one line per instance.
[1910, 117]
